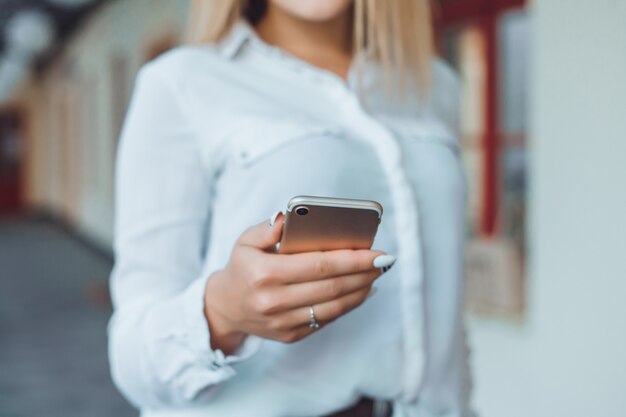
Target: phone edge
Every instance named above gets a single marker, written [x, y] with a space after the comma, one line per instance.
[335, 202]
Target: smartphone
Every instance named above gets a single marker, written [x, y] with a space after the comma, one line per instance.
[324, 223]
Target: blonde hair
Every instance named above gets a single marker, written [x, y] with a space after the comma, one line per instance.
[396, 33]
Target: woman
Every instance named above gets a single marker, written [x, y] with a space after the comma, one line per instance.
[280, 98]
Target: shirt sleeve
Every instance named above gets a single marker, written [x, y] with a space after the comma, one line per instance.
[159, 339]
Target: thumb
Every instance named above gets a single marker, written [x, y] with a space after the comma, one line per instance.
[264, 235]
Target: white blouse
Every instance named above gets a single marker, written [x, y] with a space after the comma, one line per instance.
[217, 138]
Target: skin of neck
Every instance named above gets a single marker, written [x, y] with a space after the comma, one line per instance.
[324, 44]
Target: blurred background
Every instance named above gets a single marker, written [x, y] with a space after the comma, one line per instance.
[544, 141]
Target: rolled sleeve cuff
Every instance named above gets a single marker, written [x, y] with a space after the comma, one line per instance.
[178, 349]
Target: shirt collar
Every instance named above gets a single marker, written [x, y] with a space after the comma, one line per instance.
[240, 34]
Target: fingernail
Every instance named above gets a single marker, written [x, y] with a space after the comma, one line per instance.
[274, 217]
[372, 292]
[384, 261]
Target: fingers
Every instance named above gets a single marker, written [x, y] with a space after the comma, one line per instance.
[312, 266]
[324, 312]
[264, 235]
[305, 294]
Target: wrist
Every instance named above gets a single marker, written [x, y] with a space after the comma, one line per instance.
[224, 335]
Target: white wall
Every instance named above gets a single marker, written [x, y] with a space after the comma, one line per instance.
[569, 359]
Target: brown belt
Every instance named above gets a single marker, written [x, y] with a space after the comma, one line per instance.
[364, 408]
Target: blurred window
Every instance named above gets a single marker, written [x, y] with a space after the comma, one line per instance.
[513, 67]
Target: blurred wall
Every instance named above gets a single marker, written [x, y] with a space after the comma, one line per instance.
[579, 207]
[569, 359]
[75, 110]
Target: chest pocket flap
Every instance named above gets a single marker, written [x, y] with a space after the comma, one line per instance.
[257, 137]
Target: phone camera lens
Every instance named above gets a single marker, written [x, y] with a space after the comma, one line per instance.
[302, 211]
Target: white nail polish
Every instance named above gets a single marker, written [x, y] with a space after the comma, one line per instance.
[384, 261]
[274, 217]
[372, 292]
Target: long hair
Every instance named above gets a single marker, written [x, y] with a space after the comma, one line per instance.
[398, 34]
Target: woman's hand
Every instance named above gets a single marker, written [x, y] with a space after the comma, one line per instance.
[267, 294]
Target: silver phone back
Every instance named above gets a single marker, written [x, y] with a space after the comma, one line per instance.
[329, 224]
